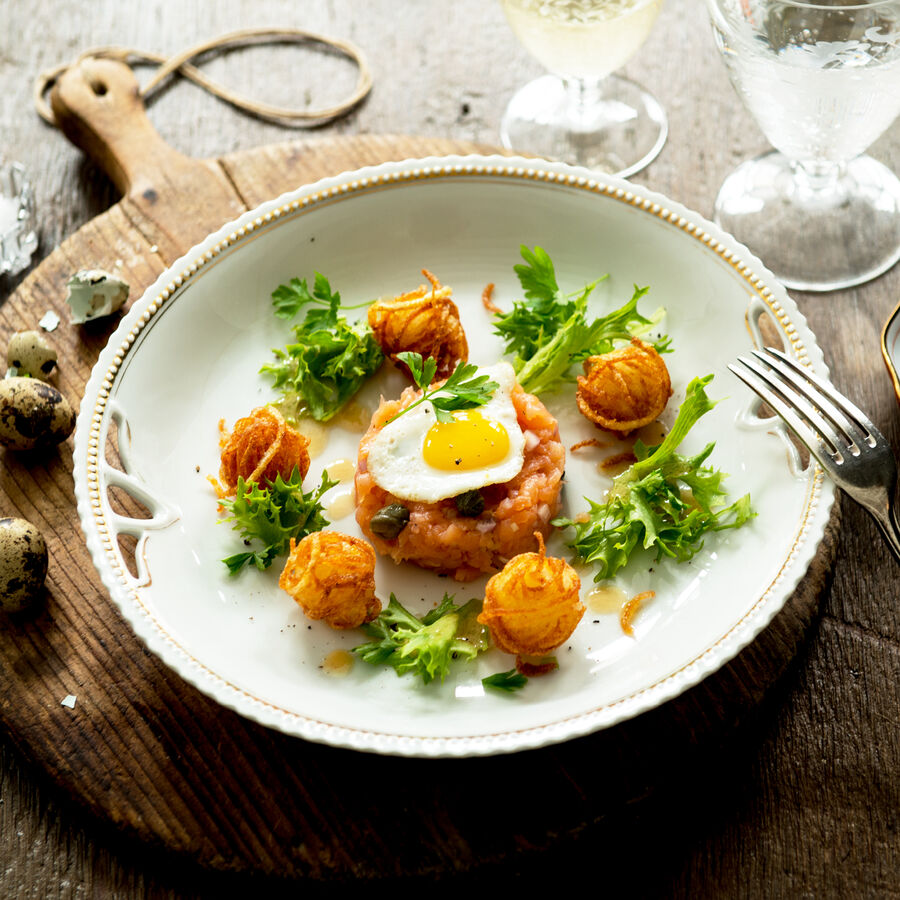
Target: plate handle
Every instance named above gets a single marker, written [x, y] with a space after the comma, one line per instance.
[764, 333]
[162, 513]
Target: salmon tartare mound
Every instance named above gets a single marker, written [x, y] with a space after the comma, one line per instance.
[438, 536]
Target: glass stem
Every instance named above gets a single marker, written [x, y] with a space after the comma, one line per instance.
[582, 99]
[818, 177]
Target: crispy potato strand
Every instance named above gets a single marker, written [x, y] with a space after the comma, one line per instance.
[625, 389]
[421, 321]
[532, 605]
[331, 576]
[630, 610]
[487, 301]
[435, 284]
[590, 442]
[260, 447]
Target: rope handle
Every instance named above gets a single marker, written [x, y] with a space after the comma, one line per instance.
[180, 63]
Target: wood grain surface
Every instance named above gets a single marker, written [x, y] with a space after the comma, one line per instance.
[779, 777]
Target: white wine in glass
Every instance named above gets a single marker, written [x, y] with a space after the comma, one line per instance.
[581, 113]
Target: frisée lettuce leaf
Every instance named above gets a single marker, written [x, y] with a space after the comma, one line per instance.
[664, 501]
[550, 332]
[424, 646]
[270, 516]
[329, 359]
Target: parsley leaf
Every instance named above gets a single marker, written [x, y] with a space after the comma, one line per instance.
[537, 276]
[531, 324]
[288, 299]
[510, 681]
[664, 500]
[549, 332]
[329, 360]
[272, 516]
[426, 646]
[464, 389]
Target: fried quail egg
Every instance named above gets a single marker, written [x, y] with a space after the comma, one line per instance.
[415, 457]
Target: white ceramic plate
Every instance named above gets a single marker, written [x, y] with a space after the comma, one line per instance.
[188, 354]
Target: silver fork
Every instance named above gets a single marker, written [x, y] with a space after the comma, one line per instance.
[847, 445]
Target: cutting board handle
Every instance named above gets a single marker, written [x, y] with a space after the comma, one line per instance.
[98, 106]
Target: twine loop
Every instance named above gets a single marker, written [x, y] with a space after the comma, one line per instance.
[181, 63]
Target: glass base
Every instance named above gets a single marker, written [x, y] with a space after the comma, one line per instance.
[619, 132]
[816, 231]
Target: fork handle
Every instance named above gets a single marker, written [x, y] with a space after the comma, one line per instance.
[886, 518]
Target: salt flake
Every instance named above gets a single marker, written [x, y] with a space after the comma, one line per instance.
[68, 700]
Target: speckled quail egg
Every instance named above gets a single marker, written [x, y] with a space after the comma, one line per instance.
[29, 353]
[33, 415]
[23, 564]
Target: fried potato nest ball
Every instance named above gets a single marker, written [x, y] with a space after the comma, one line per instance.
[532, 605]
[421, 321]
[624, 389]
[260, 447]
[332, 577]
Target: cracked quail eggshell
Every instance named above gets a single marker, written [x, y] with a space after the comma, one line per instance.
[94, 293]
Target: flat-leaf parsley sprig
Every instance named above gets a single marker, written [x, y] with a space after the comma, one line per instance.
[549, 332]
[664, 501]
[272, 515]
[464, 389]
[329, 360]
[288, 299]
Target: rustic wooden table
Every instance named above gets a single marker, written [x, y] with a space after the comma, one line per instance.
[803, 798]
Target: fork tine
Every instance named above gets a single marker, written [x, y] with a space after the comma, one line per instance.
[869, 476]
[759, 381]
[805, 406]
[840, 410]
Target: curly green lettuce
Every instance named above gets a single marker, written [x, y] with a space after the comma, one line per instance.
[664, 502]
[329, 359]
[428, 646]
[268, 517]
[549, 332]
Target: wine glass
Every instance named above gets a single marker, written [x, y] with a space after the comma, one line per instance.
[822, 80]
[580, 113]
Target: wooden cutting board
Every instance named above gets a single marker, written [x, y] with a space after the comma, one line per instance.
[148, 753]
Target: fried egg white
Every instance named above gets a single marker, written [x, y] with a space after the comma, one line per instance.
[415, 457]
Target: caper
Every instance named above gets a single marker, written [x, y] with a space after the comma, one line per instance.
[469, 504]
[389, 521]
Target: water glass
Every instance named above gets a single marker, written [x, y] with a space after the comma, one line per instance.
[822, 80]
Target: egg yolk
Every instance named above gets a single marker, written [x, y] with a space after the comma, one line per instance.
[468, 442]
